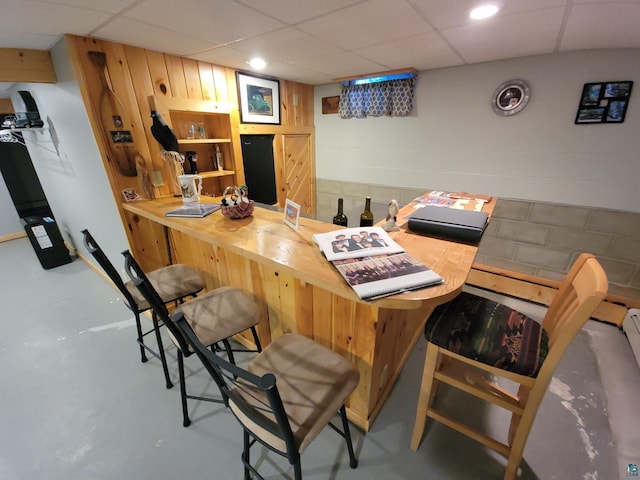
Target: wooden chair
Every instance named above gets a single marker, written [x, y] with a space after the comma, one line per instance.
[472, 339]
[215, 317]
[173, 282]
[285, 397]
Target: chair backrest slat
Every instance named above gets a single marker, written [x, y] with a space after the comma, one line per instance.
[104, 262]
[256, 398]
[151, 295]
[583, 289]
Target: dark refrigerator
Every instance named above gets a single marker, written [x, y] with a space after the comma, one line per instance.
[259, 168]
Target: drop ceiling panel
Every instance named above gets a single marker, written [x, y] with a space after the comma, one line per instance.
[111, 6]
[226, 56]
[219, 21]
[295, 11]
[366, 24]
[142, 35]
[455, 13]
[27, 16]
[507, 37]
[287, 45]
[34, 41]
[603, 26]
[343, 64]
[296, 73]
[421, 52]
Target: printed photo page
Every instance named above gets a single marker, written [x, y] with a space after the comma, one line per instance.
[356, 242]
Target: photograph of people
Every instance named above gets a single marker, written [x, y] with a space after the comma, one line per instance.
[372, 269]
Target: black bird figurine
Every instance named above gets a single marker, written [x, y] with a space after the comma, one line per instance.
[163, 133]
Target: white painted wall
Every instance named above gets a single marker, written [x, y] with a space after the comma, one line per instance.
[73, 178]
[454, 140]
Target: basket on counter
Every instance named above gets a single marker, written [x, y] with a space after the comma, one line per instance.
[236, 203]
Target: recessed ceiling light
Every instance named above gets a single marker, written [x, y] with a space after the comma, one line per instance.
[484, 11]
[257, 63]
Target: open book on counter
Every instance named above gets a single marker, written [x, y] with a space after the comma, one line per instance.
[194, 210]
[373, 264]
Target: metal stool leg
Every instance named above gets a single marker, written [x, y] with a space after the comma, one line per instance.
[163, 358]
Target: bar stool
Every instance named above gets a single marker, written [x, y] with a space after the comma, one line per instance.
[174, 283]
[214, 317]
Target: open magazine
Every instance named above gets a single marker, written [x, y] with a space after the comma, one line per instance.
[356, 242]
[376, 268]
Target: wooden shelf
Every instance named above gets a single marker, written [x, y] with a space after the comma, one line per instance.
[202, 141]
[216, 173]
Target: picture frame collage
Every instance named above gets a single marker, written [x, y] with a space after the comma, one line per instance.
[604, 102]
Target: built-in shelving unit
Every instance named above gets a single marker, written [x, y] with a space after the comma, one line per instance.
[210, 123]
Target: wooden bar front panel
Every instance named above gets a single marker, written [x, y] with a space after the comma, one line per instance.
[299, 291]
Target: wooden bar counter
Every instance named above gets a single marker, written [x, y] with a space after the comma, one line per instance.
[300, 291]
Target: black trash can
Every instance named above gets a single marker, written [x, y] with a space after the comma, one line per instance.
[47, 241]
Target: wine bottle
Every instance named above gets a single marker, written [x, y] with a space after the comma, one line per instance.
[340, 218]
[366, 217]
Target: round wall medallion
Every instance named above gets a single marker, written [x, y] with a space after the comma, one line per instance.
[511, 97]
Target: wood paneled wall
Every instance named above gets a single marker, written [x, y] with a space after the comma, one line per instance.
[133, 74]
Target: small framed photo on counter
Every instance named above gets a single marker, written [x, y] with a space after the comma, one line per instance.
[291, 214]
[604, 102]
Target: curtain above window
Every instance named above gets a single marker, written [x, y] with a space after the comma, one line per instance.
[392, 98]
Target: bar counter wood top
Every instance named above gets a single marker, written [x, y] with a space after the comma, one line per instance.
[299, 290]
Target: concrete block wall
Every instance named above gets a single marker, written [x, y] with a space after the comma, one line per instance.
[535, 238]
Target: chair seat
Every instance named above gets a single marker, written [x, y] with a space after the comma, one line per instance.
[171, 282]
[313, 383]
[220, 314]
[490, 333]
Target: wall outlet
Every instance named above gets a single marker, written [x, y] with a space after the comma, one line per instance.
[156, 178]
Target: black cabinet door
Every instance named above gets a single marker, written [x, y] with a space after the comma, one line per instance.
[259, 169]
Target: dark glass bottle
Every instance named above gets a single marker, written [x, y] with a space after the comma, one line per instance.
[192, 158]
[340, 218]
[366, 217]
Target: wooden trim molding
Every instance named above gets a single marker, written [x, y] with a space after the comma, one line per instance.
[12, 236]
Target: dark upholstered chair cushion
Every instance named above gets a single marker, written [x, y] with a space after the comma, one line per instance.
[489, 332]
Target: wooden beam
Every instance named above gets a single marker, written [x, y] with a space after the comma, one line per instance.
[22, 65]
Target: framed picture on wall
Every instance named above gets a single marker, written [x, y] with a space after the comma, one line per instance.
[604, 102]
[259, 99]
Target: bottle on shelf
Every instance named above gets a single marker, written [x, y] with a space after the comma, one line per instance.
[192, 158]
[340, 218]
[366, 217]
[219, 163]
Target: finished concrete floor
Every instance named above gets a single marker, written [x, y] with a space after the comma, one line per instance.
[77, 403]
